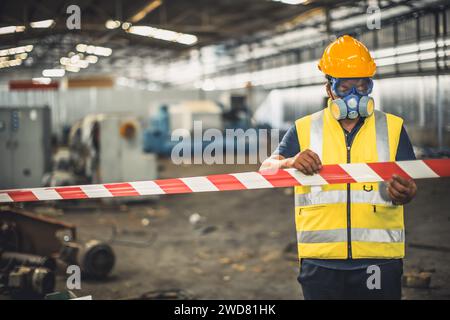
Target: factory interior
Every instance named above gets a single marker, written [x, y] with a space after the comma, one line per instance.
[109, 94]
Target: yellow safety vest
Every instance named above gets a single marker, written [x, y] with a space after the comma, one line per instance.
[349, 220]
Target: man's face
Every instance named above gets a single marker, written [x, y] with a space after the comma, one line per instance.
[341, 87]
[344, 86]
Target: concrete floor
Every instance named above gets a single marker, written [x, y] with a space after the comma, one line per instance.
[238, 250]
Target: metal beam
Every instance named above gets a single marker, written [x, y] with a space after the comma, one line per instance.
[142, 13]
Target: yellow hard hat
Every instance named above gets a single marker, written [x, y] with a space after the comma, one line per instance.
[346, 57]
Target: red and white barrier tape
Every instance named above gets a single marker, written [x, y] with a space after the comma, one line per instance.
[330, 174]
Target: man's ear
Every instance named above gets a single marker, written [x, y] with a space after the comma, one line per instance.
[329, 92]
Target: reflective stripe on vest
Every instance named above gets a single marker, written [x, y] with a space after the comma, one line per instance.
[340, 196]
[382, 136]
[316, 140]
[340, 235]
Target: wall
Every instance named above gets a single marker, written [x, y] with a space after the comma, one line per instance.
[71, 105]
[68, 106]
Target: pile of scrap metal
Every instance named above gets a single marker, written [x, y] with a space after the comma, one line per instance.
[33, 249]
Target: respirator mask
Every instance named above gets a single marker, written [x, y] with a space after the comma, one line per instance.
[353, 98]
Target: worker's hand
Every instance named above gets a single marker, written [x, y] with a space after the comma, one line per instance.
[401, 190]
[306, 161]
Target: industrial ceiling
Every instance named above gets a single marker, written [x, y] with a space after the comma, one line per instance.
[147, 33]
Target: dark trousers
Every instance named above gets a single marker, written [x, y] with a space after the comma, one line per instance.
[319, 283]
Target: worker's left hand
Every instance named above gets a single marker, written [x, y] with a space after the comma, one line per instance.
[401, 190]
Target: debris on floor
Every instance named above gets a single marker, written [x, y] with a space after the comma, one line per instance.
[429, 247]
[420, 280]
[195, 219]
[168, 294]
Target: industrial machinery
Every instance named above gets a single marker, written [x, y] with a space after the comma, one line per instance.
[33, 248]
[25, 142]
[158, 135]
[194, 118]
[120, 151]
[29, 281]
[238, 114]
[108, 148]
[96, 259]
[103, 148]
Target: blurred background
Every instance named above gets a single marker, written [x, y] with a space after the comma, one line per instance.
[91, 90]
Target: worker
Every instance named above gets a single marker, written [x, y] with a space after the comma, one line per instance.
[350, 237]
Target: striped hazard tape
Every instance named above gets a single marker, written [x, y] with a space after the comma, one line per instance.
[330, 174]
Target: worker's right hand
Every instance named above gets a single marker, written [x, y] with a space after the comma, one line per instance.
[308, 162]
